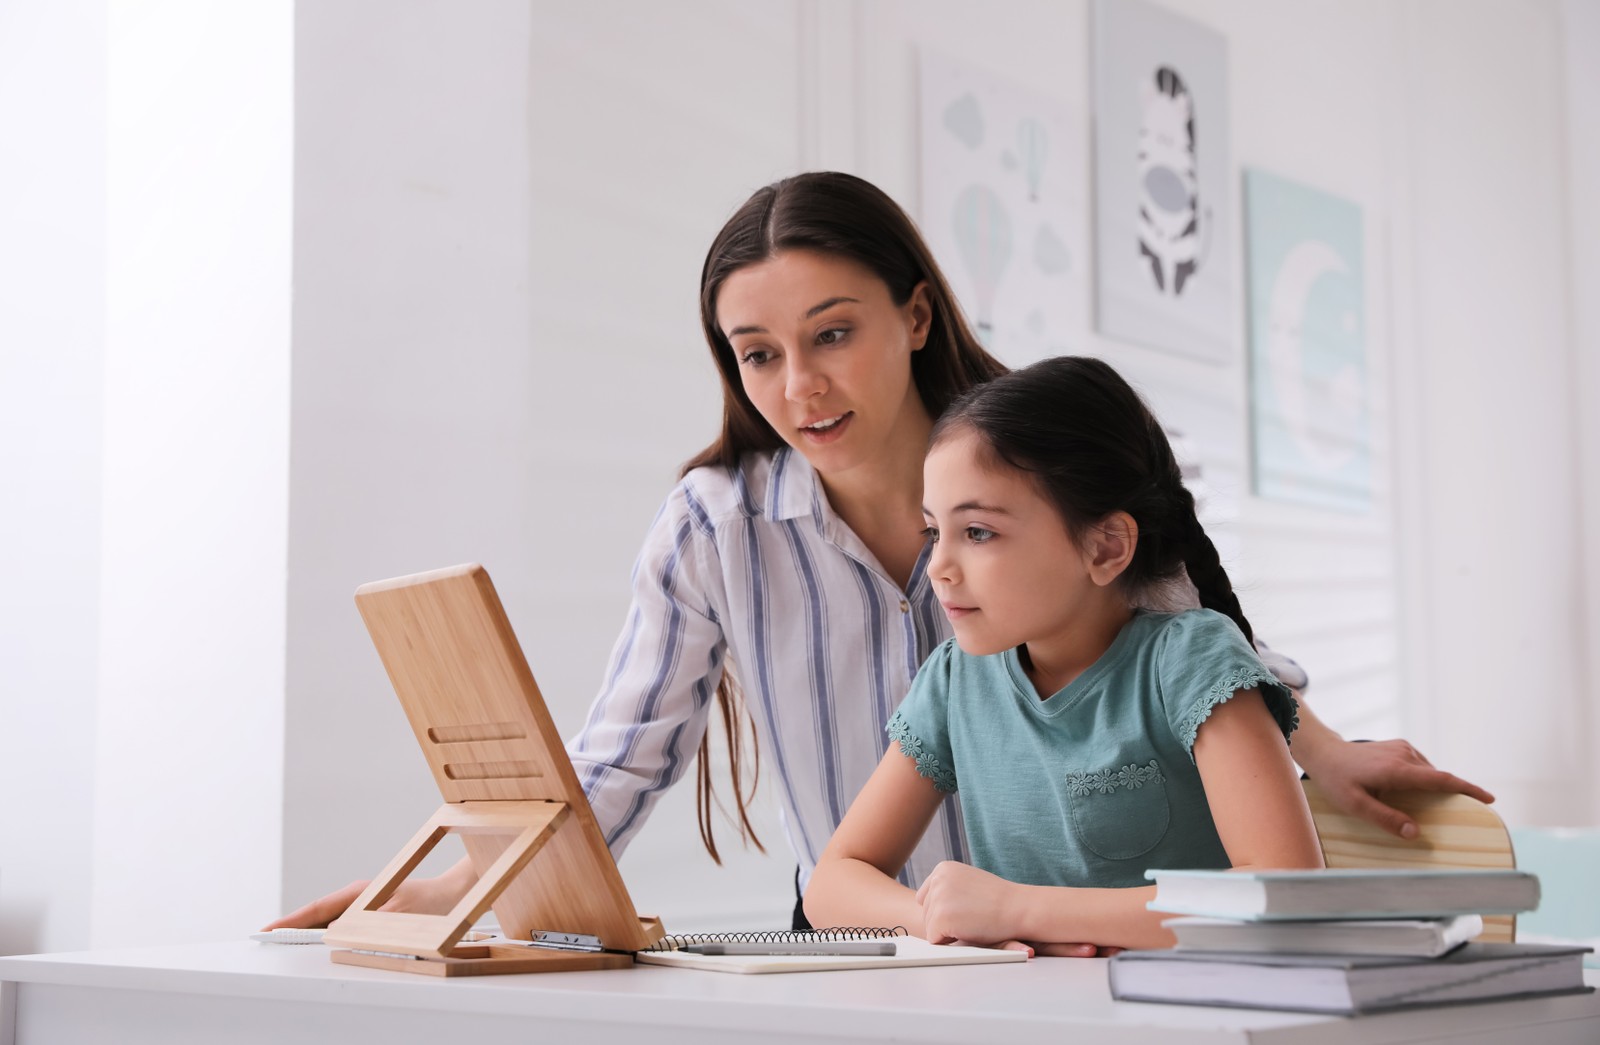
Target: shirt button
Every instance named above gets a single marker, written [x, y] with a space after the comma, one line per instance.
[905, 607]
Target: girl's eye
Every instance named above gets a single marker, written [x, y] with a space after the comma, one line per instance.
[978, 535]
[931, 534]
[755, 357]
[832, 336]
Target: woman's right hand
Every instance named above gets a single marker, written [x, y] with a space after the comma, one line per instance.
[413, 896]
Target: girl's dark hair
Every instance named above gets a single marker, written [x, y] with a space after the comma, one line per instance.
[1093, 446]
[843, 216]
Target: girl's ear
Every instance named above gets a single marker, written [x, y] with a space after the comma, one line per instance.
[920, 310]
[1108, 547]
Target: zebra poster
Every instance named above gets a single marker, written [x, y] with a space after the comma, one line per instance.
[1004, 208]
[1163, 183]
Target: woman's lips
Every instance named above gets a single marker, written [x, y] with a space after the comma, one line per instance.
[823, 436]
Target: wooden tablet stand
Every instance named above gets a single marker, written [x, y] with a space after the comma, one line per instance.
[510, 793]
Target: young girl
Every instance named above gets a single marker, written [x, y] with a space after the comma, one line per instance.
[1087, 740]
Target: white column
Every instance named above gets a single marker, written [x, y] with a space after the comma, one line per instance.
[196, 456]
[52, 315]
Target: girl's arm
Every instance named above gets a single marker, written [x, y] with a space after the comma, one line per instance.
[1261, 817]
[853, 883]
[1253, 788]
[1352, 775]
[964, 903]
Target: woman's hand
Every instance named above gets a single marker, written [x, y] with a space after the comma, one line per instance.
[963, 903]
[318, 913]
[1353, 775]
[413, 896]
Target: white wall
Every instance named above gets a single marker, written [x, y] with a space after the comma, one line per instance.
[1580, 25]
[52, 319]
[499, 211]
[1491, 516]
[189, 737]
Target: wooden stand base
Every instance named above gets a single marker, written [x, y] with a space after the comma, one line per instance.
[488, 961]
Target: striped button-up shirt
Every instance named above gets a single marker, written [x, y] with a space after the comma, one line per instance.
[754, 572]
[754, 568]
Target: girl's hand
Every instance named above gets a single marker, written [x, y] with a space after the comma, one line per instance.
[963, 903]
[1073, 950]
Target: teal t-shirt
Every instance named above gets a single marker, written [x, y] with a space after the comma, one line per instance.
[1097, 783]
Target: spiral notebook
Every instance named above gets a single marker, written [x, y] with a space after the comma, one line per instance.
[909, 951]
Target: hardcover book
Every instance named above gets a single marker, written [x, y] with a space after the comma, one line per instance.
[1410, 937]
[1343, 893]
[1347, 985]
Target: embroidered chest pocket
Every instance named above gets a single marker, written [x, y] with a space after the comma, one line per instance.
[1121, 812]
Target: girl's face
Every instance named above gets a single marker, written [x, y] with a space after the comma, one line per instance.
[825, 355]
[1003, 565]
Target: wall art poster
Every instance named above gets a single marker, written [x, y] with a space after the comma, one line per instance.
[1309, 413]
[1163, 181]
[1003, 208]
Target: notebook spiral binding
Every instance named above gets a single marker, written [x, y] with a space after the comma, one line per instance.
[834, 932]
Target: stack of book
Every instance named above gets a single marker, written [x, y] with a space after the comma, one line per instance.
[1344, 942]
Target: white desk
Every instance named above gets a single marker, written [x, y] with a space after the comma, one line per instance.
[245, 992]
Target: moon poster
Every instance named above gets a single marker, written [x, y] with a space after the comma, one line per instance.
[1308, 371]
[1003, 210]
[1163, 181]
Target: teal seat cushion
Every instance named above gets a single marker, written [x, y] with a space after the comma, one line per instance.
[1567, 861]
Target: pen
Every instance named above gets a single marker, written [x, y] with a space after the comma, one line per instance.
[875, 948]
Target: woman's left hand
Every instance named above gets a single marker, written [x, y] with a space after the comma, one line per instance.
[1354, 777]
[963, 903]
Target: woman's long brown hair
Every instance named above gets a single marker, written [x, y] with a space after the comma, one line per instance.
[844, 216]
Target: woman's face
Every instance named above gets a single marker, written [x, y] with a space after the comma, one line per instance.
[824, 353]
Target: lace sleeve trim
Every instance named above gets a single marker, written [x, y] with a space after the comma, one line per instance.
[1286, 711]
[928, 764]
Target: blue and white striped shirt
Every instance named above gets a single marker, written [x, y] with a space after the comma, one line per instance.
[754, 567]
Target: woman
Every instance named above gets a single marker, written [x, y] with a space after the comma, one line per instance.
[785, 577]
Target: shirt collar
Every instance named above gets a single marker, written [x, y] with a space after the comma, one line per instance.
[793, 489]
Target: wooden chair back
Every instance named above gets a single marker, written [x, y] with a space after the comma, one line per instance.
[1454, 831]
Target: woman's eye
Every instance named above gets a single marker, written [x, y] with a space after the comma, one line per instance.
[931, 534]
[832, 336]
[755, 357]
[978, 535]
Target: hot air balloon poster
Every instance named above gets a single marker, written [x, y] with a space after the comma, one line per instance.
[1308, 362]
[1163, 187]
[1003, 208]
